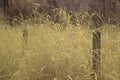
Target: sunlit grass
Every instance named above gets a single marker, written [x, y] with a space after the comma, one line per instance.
[56, 53]
[111, 52]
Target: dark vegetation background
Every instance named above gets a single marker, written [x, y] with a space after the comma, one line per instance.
[32, 8]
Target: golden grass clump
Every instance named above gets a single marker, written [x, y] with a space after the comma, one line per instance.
[50, 53]
[110, 52]
[10, 51]
[55, 54]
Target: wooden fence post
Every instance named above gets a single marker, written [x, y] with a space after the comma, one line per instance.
[25, 37]
[96, 60]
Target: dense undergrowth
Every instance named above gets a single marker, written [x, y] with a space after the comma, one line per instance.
[56, 51]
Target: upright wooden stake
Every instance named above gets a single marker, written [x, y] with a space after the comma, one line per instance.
[96, 60]
[25, 37]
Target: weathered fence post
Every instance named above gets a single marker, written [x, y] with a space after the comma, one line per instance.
[96, 54]
[97, 37]
[25, 37]
[96, 59]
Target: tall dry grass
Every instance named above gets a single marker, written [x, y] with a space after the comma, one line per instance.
[56, 50]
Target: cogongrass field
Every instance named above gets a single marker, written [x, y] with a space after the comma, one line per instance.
[56, 53]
